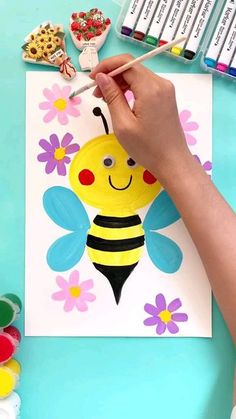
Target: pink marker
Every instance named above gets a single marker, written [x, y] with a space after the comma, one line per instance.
[228, 50]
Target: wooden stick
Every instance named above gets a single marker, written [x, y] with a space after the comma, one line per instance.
[127, 66]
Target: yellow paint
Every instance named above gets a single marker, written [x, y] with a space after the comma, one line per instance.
[59, 153]
[116, 233]
[165, 316]
[75, 292]
[7, 382]
[128, 257]
[60, 104]
[176, 50]
[100, 194]
[14, 366]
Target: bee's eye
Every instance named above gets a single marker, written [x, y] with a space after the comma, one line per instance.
[108, 162]
[131, 163]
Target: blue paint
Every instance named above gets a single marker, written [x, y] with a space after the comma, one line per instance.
[161, 214]
[67, 211]
[100, 378]
[164, 252]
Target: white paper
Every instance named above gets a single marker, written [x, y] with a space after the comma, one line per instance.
[45, 316]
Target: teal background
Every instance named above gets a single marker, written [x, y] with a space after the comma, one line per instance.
[105, 378]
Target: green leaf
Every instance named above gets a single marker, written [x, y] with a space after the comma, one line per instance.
[24, 46]
[60, 35]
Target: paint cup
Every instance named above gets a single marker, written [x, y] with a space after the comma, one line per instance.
[10, 407]
[8, 381]
[13, 332]
[14, 365]
[10, 306]
[8, 346]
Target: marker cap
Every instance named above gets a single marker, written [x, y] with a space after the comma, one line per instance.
[7, 382]
[222, 67]
[176, 50]
[189, 54]
[7, 347]
[232, 71]
[151, 40]
[126, 31]
[138, 35]
[10, 407]
[210, 62]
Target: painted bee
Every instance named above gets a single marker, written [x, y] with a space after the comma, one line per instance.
[105, 177]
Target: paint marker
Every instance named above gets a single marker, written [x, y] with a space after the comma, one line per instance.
[132, 16]
[173, 21]
[158, 22]
[220, 33]
[10, 306]
[145, 19]
[228, 49]
[186, 24]
[199, 29]
[232, 69]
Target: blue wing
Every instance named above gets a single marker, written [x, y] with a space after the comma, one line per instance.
[66, 210]
[164, 252]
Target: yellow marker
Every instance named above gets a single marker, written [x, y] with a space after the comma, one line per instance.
[7, 382]
[177, 50]
[14, 366]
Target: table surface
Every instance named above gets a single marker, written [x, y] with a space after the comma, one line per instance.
[106, 378]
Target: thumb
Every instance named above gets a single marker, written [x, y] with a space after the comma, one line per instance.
[114, 98]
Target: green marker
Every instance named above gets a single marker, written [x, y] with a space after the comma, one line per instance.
[10, 306]
[158, 22]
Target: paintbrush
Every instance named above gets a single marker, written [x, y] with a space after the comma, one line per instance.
[126, 66]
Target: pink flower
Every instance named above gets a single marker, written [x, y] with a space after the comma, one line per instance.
[188, 126]
[55, 154]
[164, 317]
[73, 292]
[58, 104]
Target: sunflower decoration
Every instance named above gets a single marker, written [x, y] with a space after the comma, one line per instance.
[33, 50]
[43, 42]
[46, 45]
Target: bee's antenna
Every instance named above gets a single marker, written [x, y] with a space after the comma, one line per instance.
[98, 112]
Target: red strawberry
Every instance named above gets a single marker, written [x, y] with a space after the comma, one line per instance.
[108, 21]
[74, 15]
[84, 28]
[75, 26]
[79, 36]
[82, 14]
[98, 32]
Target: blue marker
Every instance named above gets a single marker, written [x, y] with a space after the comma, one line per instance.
[232, 69]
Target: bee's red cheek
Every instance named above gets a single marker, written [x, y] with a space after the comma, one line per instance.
[149, 178]
[86, 177]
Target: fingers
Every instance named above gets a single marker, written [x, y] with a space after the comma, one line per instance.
[114, 97]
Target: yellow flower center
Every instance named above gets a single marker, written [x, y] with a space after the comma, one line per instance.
[165, 316]
[60, 104]
[59, 153]
[75, 292]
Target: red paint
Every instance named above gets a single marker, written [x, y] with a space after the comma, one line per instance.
[86, 177]
[14, 332]
[7, 347]
[148, 178]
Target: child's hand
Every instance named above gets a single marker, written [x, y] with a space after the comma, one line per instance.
[151, 132]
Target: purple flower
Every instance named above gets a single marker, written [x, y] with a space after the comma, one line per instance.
[163, 316]
[55, 154]
[207, 166]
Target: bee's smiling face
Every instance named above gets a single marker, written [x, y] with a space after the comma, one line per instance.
[104, 176]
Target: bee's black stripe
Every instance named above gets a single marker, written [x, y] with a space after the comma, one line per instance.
[117, 222]
[114, 245]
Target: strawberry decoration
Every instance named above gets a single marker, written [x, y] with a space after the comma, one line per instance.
[88, 25]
